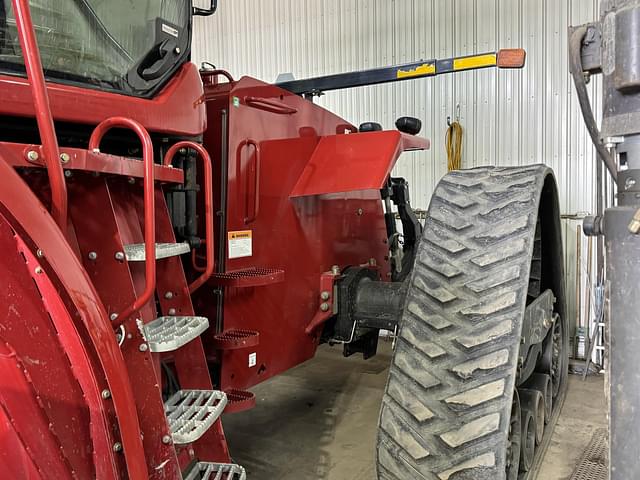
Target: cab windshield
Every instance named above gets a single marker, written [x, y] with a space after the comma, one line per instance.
[131, 46]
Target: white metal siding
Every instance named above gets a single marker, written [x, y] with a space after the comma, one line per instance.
[509, 117]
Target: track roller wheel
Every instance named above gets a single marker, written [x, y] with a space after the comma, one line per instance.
[528, 440]
[558, 357]
[450, 409]
[533, 401]
[542, 383]
[512, 467]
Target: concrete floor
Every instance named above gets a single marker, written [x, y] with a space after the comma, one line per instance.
[318, 421]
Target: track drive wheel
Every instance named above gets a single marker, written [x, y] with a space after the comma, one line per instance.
[451, 410]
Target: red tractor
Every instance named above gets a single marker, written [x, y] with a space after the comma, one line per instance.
[170, 241]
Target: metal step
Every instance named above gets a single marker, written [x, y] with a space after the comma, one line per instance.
[134, 252]
[216, 471]
[594, 463]
[166, 334]
[190, 413]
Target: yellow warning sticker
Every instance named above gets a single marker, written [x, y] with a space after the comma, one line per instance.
[240, 244]
[476, 61]
[424, 69]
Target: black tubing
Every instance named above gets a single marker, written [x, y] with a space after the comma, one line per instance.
[575, 61]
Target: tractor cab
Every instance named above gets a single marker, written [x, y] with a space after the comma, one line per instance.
[132, 48]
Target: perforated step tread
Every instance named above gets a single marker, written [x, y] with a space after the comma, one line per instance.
[135, 252]
[248, 277]
[166, 334]
[216, 471]
[190, 413]
[594, 463]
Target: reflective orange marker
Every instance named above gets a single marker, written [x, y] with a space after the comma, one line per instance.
[511, 58]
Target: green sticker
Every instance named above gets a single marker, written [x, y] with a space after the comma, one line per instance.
[236, 102]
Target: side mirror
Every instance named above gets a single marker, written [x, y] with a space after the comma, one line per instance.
[206, 12]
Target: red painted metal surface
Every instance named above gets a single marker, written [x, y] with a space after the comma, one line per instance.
[302, 237]
[177, 110]
[35, 75]
[15, 154]
[149, 206]
[29, 218]
[325, 305]
[78, 359]
[359, 161]
[203, 155]
[15, 461]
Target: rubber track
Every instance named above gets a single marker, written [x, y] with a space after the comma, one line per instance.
[446, 408]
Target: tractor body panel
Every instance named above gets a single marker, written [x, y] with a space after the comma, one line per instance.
[275, 141]
[178, 109]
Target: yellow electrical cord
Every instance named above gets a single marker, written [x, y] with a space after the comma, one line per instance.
[453, 142]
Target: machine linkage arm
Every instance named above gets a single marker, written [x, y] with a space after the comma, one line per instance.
[505, 58]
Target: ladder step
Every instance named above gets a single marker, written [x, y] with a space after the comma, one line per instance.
[216, 471]
[248, 277]
[235, 338]
[239, 400]
[190, 413]
[166, 334]
[135, 251]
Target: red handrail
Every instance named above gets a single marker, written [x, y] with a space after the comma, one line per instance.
[208, 205]
[33, 66]
[149, 206]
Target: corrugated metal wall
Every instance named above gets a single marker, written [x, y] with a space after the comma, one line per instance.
[509, 117]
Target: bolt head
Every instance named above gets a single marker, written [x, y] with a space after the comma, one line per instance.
[166, 439]
[168, 295]
[143, 347]
[325, 295]
[177, 50]
[32, 155]
[38, 270]
[113, 316]
[629, 183]
[119, 256]
[92, 255]
[64, 157]
[106, 394]
[359, 212]
[172, 311]
[324, 307]
[39, 253]
[335, 270]
[68, 173]
[373, 262]
[117, 447]
[131, 180]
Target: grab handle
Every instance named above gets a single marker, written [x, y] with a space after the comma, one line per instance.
[149, 206]
[250, 216]
[270, 105]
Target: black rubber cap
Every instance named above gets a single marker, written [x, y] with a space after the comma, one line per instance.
[370, 127]
[409, 125]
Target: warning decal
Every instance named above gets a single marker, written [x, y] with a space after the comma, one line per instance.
[240, 244]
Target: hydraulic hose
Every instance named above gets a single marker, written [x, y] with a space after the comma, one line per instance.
[453, 142]
[575, 61]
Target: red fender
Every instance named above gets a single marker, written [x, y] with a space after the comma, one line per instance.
[86, 321]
